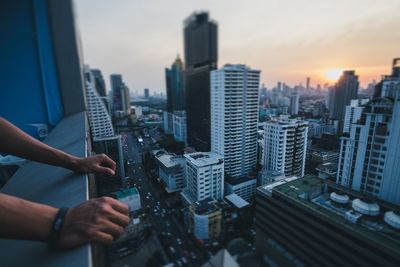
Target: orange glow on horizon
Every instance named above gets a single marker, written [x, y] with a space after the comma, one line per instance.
[332, 75]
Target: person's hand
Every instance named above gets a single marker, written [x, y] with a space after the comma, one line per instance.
[98, 164]
[96, 220]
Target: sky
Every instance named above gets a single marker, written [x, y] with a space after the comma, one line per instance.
[287, 40]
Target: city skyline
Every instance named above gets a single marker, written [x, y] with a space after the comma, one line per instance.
[264, 36]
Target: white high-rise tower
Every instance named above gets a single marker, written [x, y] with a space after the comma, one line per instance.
[234, 117]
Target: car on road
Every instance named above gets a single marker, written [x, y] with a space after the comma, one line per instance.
[179, 241]
[172, 249]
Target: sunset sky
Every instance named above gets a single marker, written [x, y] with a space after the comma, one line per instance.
[287, 40]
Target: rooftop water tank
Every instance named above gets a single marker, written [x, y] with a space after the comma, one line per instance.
[393, 219]
[366, 208]
[339, 198]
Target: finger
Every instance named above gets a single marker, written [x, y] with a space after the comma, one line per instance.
[102, 237]
[105, 170]
[118, 206]
[105, 160]
[119, 218]
[111, 228]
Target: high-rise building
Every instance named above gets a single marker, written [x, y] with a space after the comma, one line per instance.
[234, 117]
[175, 86]
[369, 155]
[308, 83]
[344, 90]
[180, 131]
[201, 54]
[99, 119]
[205, 176]
[390, 83]
[313, 222]
[353, 113]
[99, 82]
[294, 103]
[116, 83]
[146, 93]
[126, 99]
[285, 144]
[172, 171]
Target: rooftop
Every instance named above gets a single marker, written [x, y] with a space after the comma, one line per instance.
[202, 159]
[169, 160]
[311, 192]
[237, 201]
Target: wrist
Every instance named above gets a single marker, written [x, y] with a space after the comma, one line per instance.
[56, 228]
[73, 163]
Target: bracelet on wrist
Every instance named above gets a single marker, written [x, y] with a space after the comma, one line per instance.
[56, 228]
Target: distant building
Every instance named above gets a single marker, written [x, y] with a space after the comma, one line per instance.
[234, 117]
[267, 177]
[209, 219]
[353, 113]
[312, 222]
[175, 86]
[369, 156]
[126, 99]
[99, 82]
[175, 124]
[129, 197]
[116, 83]
[172, 171]
[99, 119]
[146, 93]
[389, 84]
[244, 187]
[285, 146]
[294, 103]
[205, 176]
[340, 95]
[180, 126]
[201, 54]
[112, 147]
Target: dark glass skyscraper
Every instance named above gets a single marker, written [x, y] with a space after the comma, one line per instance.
[174, 81]
[100, 84]
[116, 83]
[345, 90]
[201, 54]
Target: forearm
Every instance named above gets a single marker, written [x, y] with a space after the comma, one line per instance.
[16, 142]
[21, 219]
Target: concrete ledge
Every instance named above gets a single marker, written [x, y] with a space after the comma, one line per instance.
[53, 186]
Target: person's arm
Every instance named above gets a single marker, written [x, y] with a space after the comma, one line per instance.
[96, 220]
[16, 142]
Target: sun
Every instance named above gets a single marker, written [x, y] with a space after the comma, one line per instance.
[333, 75]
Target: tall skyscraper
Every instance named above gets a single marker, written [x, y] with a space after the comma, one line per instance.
[294, 103]
[387, 87]
[201, 54]
[99, 119]
[116, 83]
[369, 155]
[344, 90]
[126, 99]
[285, 144]
[353, 113]
[234, 117]
[175, 87]
[205, 176]
[99, 82]
[308, 83]
[146, 93]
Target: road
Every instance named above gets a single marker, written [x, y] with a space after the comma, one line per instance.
[165, 221]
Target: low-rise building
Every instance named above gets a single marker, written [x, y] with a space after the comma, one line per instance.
[172, 171]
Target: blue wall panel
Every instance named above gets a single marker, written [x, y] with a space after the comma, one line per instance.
[29, 94]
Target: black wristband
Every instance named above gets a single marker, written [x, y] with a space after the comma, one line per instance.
[56, 228]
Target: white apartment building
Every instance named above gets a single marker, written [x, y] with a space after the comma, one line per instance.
[285, 144]
[172, 171]
[369, 155]
[205, 176]
[180, 132]
[99, 119]
[353, 113]
[234, 116]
